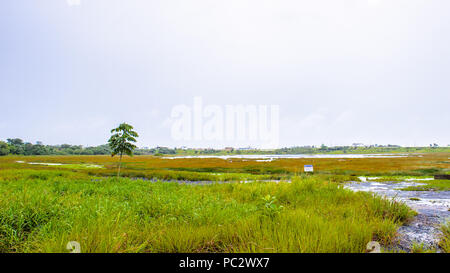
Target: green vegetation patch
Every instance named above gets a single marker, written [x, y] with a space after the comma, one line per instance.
[445, 238]
[42, 210]
[432, 185]
[390, 178]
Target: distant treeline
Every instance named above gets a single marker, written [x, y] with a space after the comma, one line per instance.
[361, 150]
[17, 146]
[318, 150]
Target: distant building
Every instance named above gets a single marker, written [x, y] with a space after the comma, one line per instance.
[229, 149]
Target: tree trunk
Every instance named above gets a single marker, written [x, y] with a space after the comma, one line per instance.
[120, 163]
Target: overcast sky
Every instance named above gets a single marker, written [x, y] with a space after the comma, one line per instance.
[341, 71]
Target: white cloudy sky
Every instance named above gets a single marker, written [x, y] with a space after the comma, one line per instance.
[342, 71]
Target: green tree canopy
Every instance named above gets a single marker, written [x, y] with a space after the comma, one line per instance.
[121, 142]
[15, 141]
[4, 148]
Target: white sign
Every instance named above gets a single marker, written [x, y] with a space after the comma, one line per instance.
[309, 168]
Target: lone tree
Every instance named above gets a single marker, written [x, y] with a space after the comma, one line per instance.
[121, 142]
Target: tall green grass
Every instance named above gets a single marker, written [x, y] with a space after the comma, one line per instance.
[445, 238]
[40, 211]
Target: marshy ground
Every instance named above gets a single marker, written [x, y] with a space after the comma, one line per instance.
[432, 207]
[44, 206]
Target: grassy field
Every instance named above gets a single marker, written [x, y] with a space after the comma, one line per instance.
[41, 211]
[216, 169]
[44, 207]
